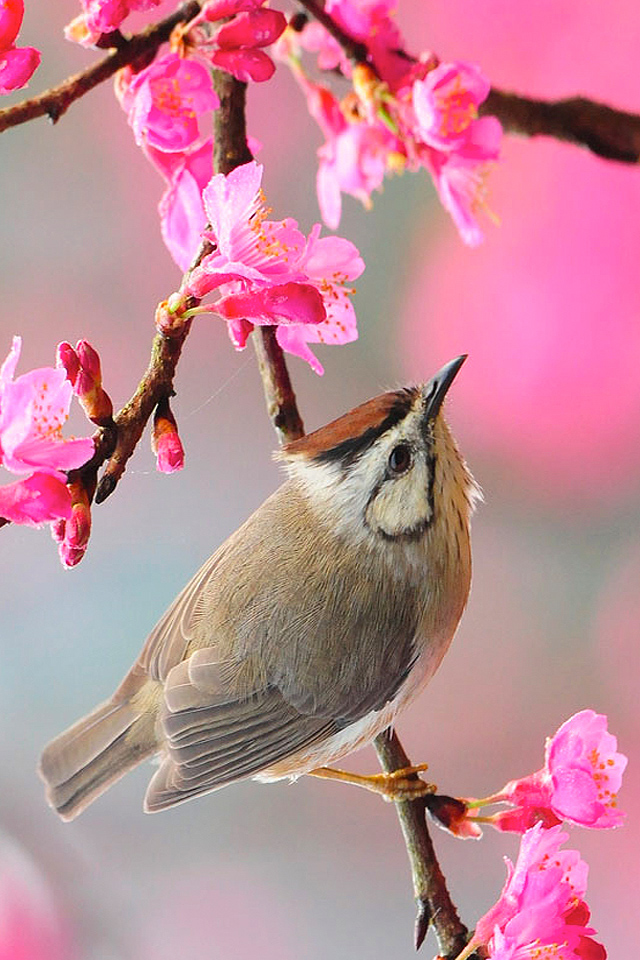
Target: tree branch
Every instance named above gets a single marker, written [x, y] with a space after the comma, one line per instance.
[609, 133]
[429, 885]
[135, 50]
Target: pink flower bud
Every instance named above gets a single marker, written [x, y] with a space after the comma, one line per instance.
[89, 360]
[17, 67]
[67, 358]
[83, 370]
[170, 453]
[72, 535]
[11, 14]
[165, 442]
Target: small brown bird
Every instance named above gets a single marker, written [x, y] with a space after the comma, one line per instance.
[308, 630]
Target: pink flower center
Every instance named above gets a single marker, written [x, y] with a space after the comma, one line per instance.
[457, 109]
[47, 422]
[169, 98]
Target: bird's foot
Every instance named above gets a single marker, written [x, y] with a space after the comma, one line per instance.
[404, 784]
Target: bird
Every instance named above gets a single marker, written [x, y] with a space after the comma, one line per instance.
[308, 630]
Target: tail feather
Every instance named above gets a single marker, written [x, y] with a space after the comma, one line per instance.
[96, 751]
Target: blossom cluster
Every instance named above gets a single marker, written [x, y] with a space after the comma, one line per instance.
[33, 409]
[267, 272]
[541, 912]
[402, 113]
[17, 64]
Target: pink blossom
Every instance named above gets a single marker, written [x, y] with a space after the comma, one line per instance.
[39, 498]
[268, 272]
[165, 100]
[102, 17]
[182, 214]
[446, 104]
[579, 781]
[33, 409]
[540, 910]
[17, 66]
[461, 186]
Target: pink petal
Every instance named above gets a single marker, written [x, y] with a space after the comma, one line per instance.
[331, 257]
[17, 67]
[11, 14]
[285, 303]
[8, 368]
[38, 499]
[245, 65]
[258, 28]
[329, 196]
[293, 341]
[231, 199]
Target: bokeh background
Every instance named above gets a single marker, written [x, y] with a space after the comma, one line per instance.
[547, 410]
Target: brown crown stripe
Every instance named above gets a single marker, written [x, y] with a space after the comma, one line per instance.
[347, 437]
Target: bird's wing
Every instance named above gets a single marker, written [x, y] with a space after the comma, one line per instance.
[169, 640]
[214, 737]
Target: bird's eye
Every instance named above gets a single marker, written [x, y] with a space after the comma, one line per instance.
[400, 458]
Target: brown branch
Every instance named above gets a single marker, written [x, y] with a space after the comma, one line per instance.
[609, 133]
[136, 50]
[429, 885]
[605, 131]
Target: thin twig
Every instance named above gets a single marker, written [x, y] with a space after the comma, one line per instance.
[55, 102]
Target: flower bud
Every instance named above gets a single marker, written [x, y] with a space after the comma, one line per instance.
[452, 814]
[72, 535]
[165, 442]
[67, 358]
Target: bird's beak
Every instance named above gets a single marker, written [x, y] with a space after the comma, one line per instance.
[436, 390]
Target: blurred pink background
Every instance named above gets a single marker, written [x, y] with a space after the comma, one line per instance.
[547, 411]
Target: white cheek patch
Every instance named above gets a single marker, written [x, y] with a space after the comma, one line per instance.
[401, 506]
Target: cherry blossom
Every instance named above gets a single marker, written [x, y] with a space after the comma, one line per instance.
[541, 911]
[33, 409]
[268, 272]
[579, 781]
[165, 101]
[102, 17]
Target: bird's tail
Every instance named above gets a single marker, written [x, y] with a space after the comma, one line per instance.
[96, 751]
